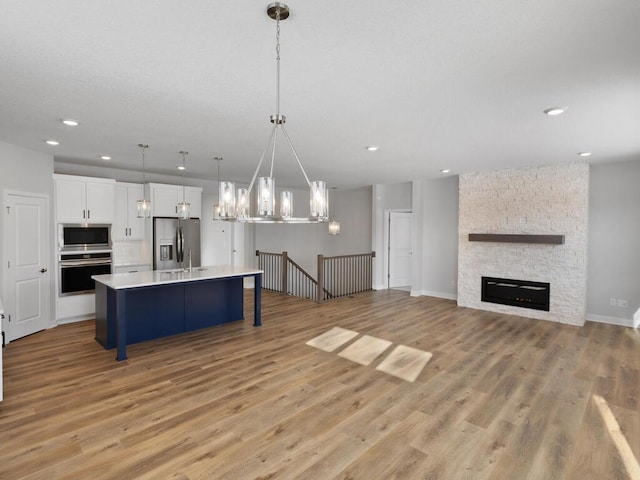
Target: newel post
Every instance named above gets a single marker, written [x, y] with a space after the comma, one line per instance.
[320, 292]
[285, 288]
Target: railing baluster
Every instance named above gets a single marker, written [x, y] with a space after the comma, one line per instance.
[338, 276]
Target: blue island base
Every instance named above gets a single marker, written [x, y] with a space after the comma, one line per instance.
[159, 311]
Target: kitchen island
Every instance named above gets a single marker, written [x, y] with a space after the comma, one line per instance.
[140, 306]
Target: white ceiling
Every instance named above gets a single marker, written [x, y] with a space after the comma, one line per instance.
[436, 84]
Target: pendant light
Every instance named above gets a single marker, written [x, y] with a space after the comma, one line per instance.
[216, 206]
[334, 225]
[144, 205]
[183, 208]
[226, 197]
[265, 194]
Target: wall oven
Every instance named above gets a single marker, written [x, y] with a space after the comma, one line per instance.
[76, 270]
[83, 236]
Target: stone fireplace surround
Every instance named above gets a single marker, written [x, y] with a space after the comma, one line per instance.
[548, 200]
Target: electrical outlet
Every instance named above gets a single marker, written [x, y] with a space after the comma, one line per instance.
[623, 303]
[613, 302]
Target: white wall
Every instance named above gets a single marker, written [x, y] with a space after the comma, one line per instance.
[396, 196]
[614, 241]
[26, 171]
[303, 242]
[435, 238]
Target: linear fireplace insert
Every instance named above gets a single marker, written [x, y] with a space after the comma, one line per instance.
[517, 293]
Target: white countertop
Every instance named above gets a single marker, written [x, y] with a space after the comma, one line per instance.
[163, 277]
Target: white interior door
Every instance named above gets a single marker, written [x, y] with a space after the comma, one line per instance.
[239, 253]
[27, 240]
[239, 259]
[399, 249]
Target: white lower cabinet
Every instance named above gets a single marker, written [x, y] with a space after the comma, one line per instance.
[131, 268]
[75, 308]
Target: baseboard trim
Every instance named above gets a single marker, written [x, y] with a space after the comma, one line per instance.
[429, 293]
[79, 318]
[621, 322]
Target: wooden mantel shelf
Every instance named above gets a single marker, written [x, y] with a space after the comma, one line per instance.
[516, 238]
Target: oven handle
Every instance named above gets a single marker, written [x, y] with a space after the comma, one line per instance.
[83, 263]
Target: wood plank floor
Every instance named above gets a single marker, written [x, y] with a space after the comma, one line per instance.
[503, 397]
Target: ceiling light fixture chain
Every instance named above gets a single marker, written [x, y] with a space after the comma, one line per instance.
[143, 148]
[265, 191]
[278, 63]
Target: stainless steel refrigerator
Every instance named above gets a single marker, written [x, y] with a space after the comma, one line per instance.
[176, 243]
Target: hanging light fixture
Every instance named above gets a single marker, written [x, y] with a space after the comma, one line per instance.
[144, 205]
[265, 194]
[183, 208]
[216, 206]
[334, 225]
[226, 197]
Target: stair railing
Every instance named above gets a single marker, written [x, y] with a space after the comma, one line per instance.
[344, 275]
[337, 276]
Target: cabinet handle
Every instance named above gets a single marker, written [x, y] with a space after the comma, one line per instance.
[88, 213]
[83, 213]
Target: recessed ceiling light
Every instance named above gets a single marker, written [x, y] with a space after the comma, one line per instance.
[52, 142]
[585, 154]
[555, 110]
[70, 123]
[372, 148]
[445, 170]
[105, 157]
[181, 167]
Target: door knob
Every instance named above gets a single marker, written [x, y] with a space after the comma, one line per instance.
[43, 270]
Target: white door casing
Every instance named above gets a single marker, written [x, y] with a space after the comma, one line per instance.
[27, 271]
[399, 252]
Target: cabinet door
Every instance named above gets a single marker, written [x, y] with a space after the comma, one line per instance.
[136, 225]
[193, 196]
[164, 200]
[70, 201]
[100, 202]
[120, 227]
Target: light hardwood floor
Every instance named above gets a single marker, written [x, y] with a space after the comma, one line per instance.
[503, 397]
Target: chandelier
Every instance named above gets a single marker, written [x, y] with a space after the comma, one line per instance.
[235, 205]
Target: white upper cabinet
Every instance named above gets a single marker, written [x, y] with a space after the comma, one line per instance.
[126, 224]
[165, 198]
[193, 196]
[84, 199]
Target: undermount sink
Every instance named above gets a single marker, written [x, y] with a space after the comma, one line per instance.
[182, 270]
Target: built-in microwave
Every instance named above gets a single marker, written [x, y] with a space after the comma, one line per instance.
[84, 236]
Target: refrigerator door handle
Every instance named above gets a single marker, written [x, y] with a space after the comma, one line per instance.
[181, 246]
[178, 246]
